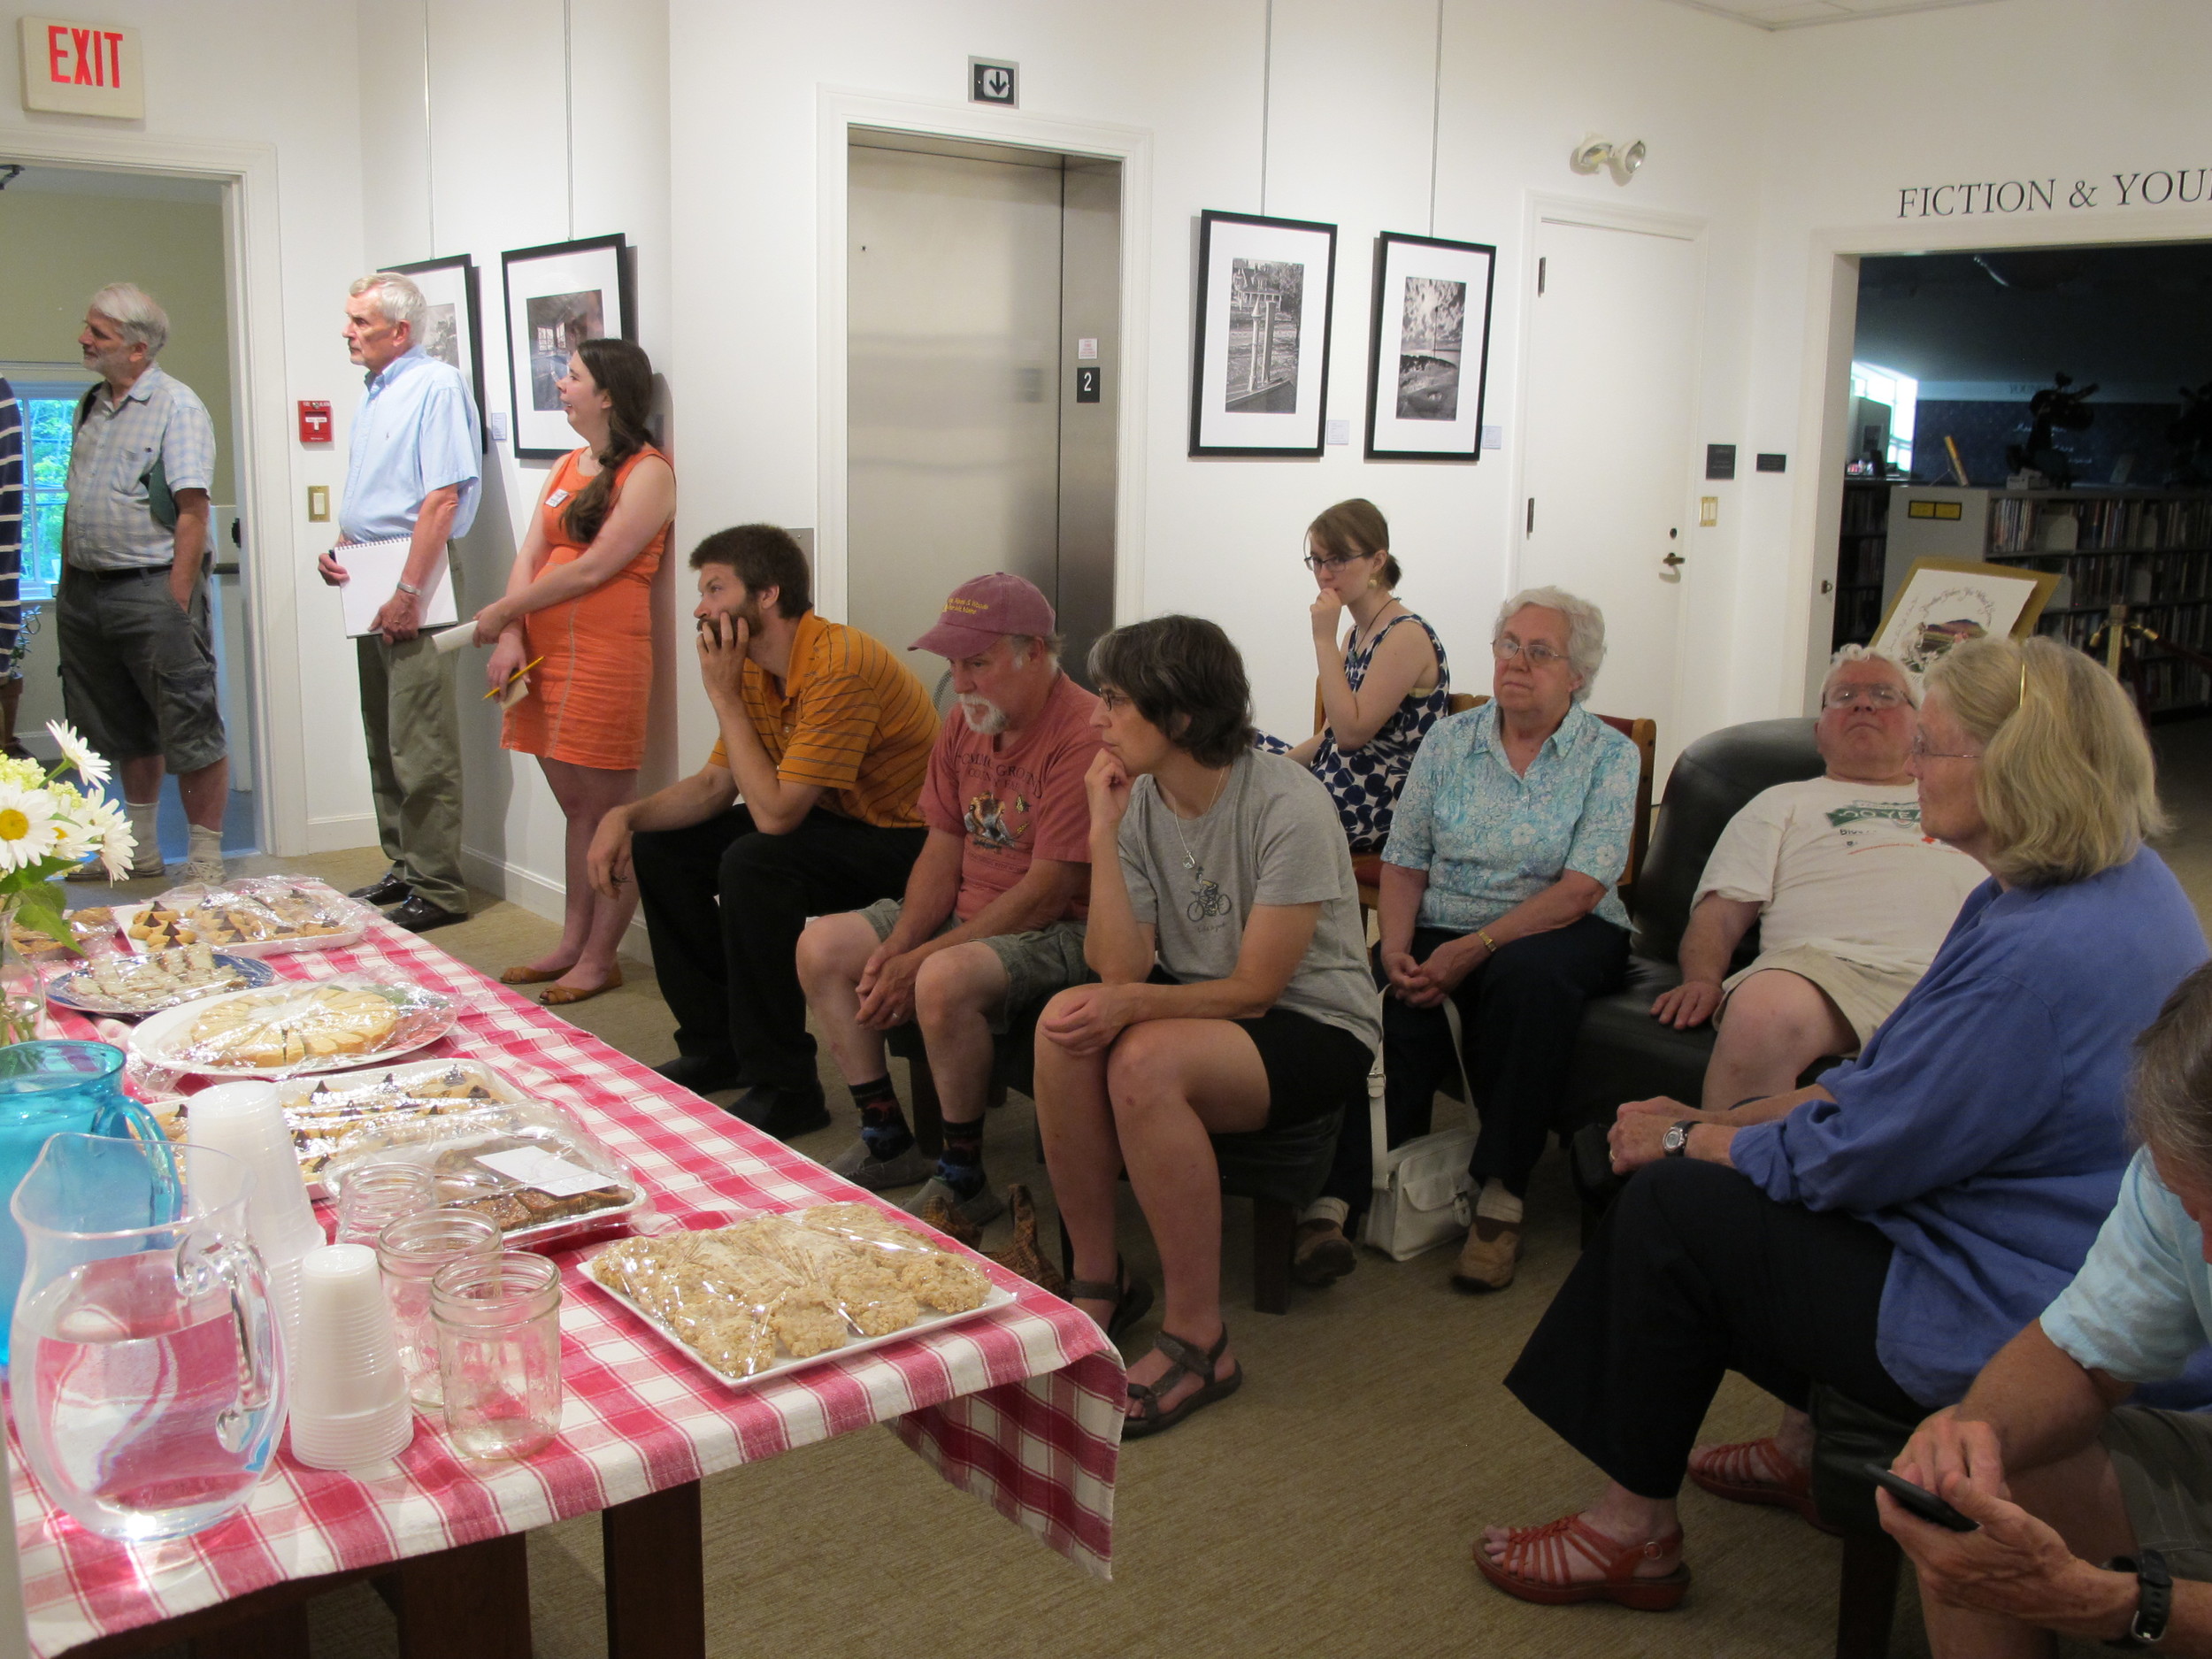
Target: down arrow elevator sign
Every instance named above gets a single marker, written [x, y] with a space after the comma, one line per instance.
[993, 81]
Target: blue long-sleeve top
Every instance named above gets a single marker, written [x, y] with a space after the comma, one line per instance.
[1982, 1129]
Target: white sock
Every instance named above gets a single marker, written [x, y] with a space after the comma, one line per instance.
[1497, 1204]
[143, 817]
[206, 844]
[1327, 1210]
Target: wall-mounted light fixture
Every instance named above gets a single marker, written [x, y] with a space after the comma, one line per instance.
[1594, 152]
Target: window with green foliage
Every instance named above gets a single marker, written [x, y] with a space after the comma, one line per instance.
[48, 428]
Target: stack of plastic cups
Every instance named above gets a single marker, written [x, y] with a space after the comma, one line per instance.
[349, 1396]
[245, 1121]
[411, 1251]
[374, 1196]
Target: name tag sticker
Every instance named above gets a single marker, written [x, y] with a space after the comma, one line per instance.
[557, 498]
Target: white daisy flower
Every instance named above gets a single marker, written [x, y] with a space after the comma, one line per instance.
[78, 754]
[105, 825]
[27, 828]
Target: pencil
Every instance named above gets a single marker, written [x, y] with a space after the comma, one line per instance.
[501, 689]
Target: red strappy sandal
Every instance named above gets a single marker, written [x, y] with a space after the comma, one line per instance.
[1539, 1560]
[1756, 1471]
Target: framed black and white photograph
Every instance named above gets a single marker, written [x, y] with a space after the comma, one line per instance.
[453, 332]
[1432, 349]
[557, 295]
[1260, 374]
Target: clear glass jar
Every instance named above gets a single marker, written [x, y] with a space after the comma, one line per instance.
[498, 1319]
[377, 1194]
[411, 1251]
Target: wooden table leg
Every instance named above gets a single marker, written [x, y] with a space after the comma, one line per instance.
[280, 1632]
[472, 1602]
[657, 1592]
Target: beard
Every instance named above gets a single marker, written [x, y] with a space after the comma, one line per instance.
[985, 717]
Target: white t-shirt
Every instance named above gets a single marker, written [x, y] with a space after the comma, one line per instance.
[1843, 867]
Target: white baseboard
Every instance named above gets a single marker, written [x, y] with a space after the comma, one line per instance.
[533, 892]
[343, 833]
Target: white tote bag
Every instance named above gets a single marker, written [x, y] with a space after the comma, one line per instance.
[1420, 1199]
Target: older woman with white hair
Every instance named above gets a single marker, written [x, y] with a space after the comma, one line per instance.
[1499, 891]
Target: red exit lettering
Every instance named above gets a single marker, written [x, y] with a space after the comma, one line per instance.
[83, 58]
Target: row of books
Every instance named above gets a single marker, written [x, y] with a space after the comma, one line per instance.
[2017, 525]
[2146, 579]
[1865, 509]
[2189, 625]
[1860, 564]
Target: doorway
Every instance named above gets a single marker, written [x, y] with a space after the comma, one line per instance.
[982, 359]
[64, 233]
[1610, 398]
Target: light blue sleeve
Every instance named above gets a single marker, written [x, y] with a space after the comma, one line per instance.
[1412, 843]
[2131, 1311]
[1599, 848]
[449, 451]
[188, 442]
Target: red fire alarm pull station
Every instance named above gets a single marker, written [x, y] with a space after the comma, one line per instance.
[314, 420]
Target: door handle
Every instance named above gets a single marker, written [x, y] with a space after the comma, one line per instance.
[1673, 560]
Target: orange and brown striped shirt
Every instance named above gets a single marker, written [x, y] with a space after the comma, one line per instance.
[851, 718]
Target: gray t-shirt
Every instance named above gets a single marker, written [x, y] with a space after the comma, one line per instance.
[1272, 838]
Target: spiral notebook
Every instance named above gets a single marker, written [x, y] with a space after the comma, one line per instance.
[372, 573]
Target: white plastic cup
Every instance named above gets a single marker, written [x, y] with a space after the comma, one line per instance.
[350, 1406]
[245, 1121]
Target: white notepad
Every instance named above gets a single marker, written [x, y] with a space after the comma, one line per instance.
[372, 573]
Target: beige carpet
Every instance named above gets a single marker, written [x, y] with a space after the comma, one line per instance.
[1326, 1510]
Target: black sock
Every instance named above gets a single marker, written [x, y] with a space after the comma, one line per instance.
[882, 1124]
[960, 1165]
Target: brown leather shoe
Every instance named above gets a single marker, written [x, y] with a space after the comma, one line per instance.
[1487, 1260]
[1321, 1255]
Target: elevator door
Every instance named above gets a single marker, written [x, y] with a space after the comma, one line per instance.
[967, 452]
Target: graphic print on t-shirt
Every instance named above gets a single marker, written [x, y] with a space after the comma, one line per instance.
[1866, 824]
[986, 819]
[1208, 900]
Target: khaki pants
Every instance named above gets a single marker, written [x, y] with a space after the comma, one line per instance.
[415, 763]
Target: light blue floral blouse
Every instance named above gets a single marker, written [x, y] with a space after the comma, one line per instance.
[1490, 837]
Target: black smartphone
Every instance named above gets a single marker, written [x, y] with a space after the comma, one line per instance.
[1919, 1499]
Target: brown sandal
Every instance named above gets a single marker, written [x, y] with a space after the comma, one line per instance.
[562, 995]
[1538, 1561]
[1131, 1297]
[1186, 1359]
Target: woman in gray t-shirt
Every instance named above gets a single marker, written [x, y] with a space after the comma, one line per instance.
[1234, 995]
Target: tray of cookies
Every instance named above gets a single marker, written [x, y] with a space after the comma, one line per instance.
[131, 986]
[528, 1167]
[775, 1292]
[295, 1026]
[255, 916]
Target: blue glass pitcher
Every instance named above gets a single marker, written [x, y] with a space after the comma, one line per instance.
[50, 1089]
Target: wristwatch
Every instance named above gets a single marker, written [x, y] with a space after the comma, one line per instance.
[2155, 1598]
[1675, 1142]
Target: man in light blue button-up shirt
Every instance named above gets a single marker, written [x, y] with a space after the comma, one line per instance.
[412, 473]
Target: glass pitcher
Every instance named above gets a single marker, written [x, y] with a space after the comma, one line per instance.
[148, 1387]
[49, 1088]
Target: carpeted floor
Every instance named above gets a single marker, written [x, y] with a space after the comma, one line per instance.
[1327, 1510]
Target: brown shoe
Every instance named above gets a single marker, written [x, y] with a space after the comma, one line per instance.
[1322, 1254]
[1492, 1252]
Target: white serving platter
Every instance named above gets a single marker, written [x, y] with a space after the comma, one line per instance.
[159, 1034]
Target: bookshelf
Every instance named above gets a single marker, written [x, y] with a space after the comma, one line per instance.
[1859, 556]
[2150, 550]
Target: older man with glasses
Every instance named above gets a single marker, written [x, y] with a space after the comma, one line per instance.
[1851, 895]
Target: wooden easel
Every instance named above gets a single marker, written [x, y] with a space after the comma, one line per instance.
[2122, 642]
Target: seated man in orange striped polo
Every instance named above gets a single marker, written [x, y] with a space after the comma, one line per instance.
[825, 739]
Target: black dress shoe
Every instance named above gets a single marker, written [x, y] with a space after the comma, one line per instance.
[701, 1073]
[782, 1112]
[419, 915]
[389, 888]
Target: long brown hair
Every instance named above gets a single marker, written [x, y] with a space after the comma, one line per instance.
[622, 371]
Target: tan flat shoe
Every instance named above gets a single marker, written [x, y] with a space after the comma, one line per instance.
[561, 995]
[1487, 1260]
[529, 976]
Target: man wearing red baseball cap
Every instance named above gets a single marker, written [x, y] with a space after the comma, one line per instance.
[992, 921]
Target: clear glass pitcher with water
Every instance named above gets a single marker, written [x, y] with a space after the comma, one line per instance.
[47, 1088]
[148, 1386]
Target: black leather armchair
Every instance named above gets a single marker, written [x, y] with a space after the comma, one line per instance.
[1623, 1053]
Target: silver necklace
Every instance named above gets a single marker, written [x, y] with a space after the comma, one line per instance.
[1190, 859]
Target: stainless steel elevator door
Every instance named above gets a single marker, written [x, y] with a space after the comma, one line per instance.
[953, 383]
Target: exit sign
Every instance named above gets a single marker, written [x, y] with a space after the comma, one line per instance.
[83, 69]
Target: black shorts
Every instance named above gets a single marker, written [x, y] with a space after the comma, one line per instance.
[1312, 1068]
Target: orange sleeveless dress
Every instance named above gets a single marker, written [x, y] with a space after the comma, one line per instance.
[587, 698]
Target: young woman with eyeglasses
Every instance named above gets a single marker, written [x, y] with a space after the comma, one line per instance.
[1382, 687]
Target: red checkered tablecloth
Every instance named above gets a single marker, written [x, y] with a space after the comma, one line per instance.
[1020, 1406]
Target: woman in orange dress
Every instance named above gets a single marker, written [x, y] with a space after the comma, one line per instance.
[578, 604]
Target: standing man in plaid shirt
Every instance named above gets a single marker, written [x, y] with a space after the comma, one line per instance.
[137, 667]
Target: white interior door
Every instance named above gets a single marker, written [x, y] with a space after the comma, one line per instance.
[1606, 474]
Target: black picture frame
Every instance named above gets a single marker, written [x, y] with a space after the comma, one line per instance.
[1285, 414]
[453, 282]
[1417, 403]
[550, 273]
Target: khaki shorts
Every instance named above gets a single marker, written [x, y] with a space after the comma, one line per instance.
[1863, 995]
[1037, 963]
[2164, 1463]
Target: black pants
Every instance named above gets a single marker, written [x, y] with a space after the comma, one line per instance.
[1518, 1014]
[726, 969]
[1696, 1273]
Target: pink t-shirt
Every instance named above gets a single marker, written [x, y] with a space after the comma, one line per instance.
[1014, 798]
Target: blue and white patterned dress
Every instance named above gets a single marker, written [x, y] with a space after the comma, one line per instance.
[1365, 783]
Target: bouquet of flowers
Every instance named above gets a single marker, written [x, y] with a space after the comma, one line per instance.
[48, 826]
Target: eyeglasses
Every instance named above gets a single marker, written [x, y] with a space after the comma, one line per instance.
[1537, 654]
[1921, 752]
[1873, 697]
[1320, 565]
